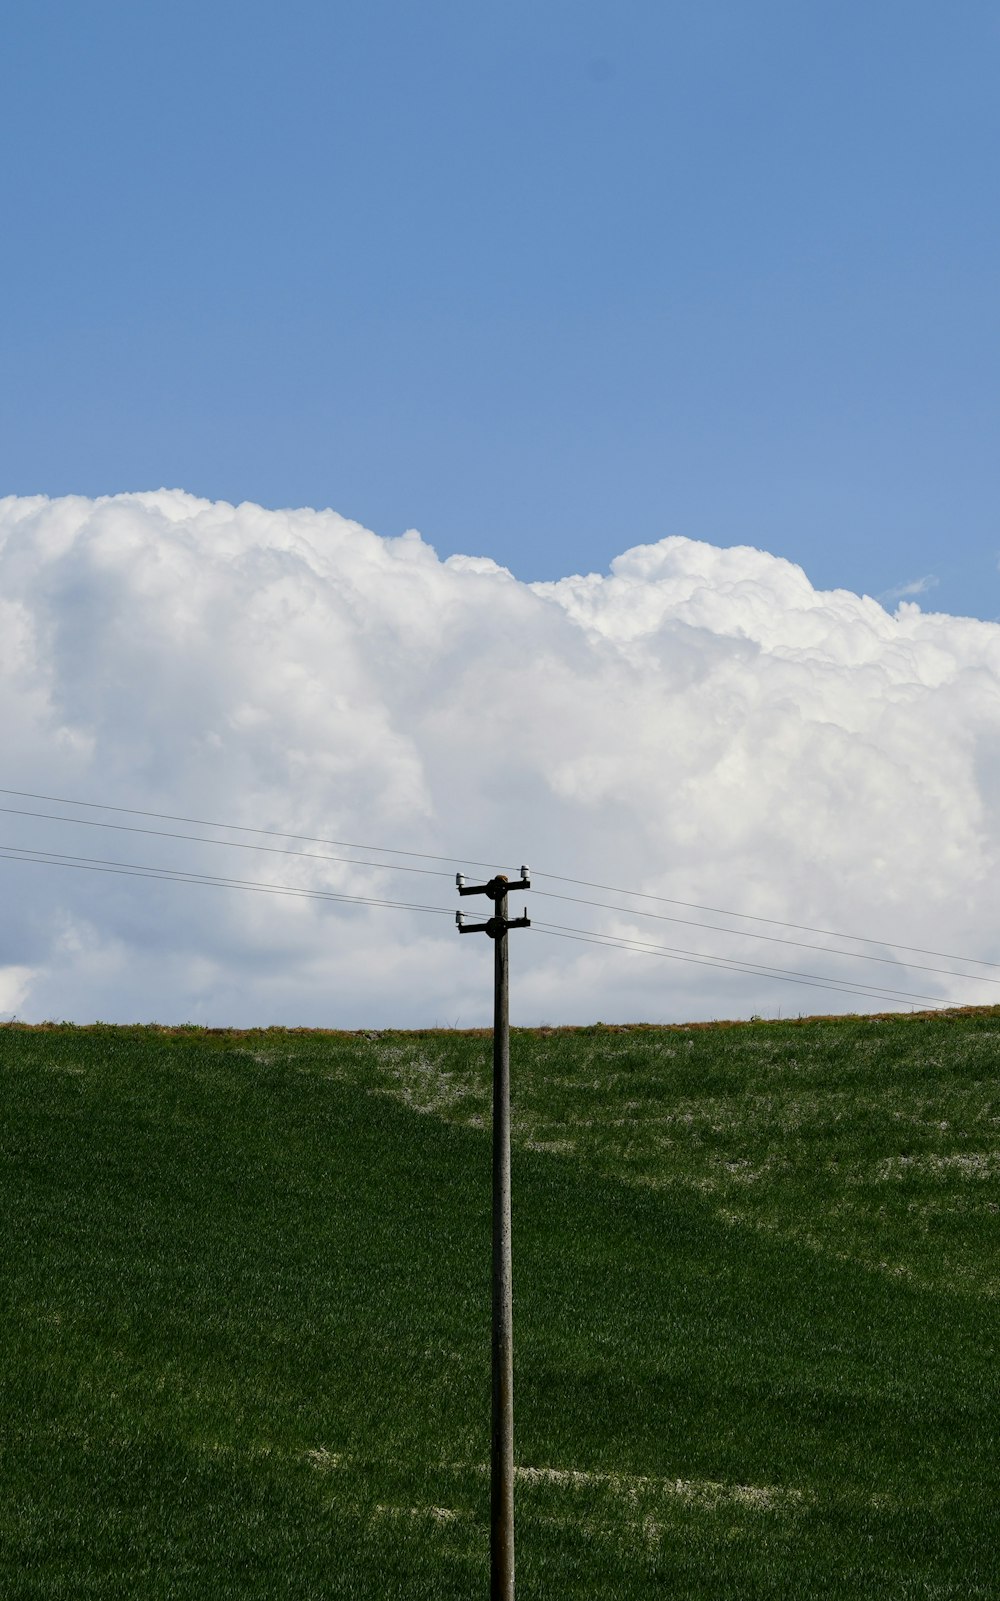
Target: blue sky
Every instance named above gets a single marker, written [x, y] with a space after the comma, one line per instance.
[544, 281]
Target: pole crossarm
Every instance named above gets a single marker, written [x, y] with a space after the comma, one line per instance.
[497, 890]
[494, 925]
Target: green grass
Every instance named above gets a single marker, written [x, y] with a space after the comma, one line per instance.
[245, 1321]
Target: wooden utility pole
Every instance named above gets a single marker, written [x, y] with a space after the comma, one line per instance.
[502, 1429]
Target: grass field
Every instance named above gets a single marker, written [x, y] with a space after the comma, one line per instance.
[245, 1319]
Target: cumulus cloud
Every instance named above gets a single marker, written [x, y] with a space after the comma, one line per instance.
[699, 724]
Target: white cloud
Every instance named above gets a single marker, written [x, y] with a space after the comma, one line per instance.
[14, 985]
[700, 724]
[912, 587]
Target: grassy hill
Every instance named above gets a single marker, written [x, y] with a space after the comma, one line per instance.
[245, 1321]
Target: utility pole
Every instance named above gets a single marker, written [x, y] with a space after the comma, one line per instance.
[502, 1425]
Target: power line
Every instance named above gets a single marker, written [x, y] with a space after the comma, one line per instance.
[97, 864]
[751, 969]
[592, 939]
[400, 867]
[753, 917]
[586, 939]
[774, 939]
[612, 889]
[230, 844]
[555, 930]
[242, 828]
[467, 861]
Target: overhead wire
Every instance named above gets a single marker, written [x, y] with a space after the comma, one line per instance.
[774, 939]
[588, 936]
[471, 862]
[137, 869]
[753, 917]
[230, 844]
[243, 828]
[865, 992]
[747, 966]
[98, 864]
[563, 878]
[162, 833]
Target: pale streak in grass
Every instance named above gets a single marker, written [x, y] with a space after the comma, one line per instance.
[459, 1094]
[631, 1487]
[966, 1164]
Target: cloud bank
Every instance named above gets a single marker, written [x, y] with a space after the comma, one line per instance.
[700, 724]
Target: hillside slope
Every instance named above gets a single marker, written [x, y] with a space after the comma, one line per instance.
[245, 1347]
